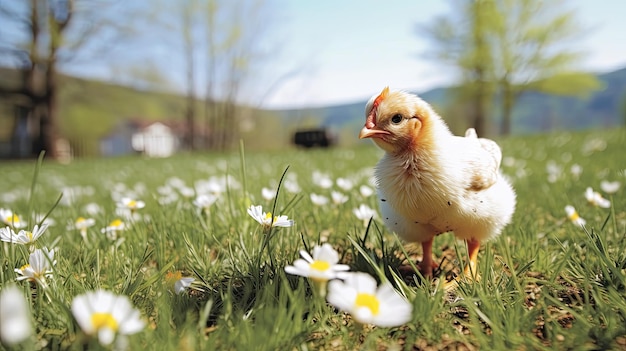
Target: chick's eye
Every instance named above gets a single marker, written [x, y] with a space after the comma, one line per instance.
[397, 118]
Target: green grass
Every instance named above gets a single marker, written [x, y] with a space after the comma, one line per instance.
[546, 283]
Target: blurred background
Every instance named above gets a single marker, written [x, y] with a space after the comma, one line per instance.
[92, 78]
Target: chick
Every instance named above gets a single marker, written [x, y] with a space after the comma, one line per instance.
[430, 181]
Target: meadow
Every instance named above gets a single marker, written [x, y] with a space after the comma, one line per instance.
[547, 282]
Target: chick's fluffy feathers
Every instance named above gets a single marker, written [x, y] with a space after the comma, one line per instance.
[430, 181]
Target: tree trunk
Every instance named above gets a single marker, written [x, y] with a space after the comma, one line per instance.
[479, 112]
[480, 62]
[508, 101]
[190, 130]
[190, 114]
[48, 122]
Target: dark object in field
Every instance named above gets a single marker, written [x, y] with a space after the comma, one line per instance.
[314, 137]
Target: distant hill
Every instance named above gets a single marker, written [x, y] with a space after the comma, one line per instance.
[534, 112]
[89, 110]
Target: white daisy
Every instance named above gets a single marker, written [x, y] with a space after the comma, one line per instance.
[338, 198]
[204, 201]
[82, 224]
[15, 317]
[93, 209]
[596, 199]
[291, 185]
[364, 213]
[23, 237]
[366, 191]
[360, 296]
[610, 187]
[345, 184]
[319, 200]
[322, 180]
[105, 315]
[266, 219]
[573, 216]
[116, 226]
[38, 268]
[11, 219]
[131, 204]
[268, 194]
[322, 266]
[576, 170]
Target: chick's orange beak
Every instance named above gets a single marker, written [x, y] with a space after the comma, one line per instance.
[372, 133]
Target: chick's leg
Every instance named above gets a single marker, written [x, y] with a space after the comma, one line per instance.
[427, 265]
[471, 269]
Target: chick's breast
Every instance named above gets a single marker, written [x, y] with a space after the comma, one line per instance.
[449, 191]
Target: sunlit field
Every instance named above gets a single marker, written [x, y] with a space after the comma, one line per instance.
[200, 272]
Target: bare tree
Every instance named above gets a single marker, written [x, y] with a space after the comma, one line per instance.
[235, 31]
[222, 49]
[45, 22]
[49, 33]
[188, 11]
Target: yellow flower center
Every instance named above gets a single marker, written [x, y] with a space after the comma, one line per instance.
[12, 219]
[24, 267]
[320, 265]
[116, 223]
[29, 235]
[574, 216]
[80, 220]
[104, 320]
[369, 301]
[132, 203]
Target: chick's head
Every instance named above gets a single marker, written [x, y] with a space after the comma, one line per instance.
[398, 121]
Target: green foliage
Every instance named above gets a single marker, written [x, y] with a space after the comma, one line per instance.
[507, 48]
[568, 84]
[546, 283]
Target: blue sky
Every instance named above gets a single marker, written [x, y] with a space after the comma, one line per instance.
[343, 51]
[355, 48]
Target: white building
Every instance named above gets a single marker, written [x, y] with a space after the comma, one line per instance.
[155, 140]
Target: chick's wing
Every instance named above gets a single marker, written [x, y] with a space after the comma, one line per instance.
[483, 160]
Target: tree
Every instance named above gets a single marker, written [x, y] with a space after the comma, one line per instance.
[223, 47]
[44, 35]
[188, 11]
[534, 47]
[235, 50]
[461, 40]
[505, 48]
[45, 22]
